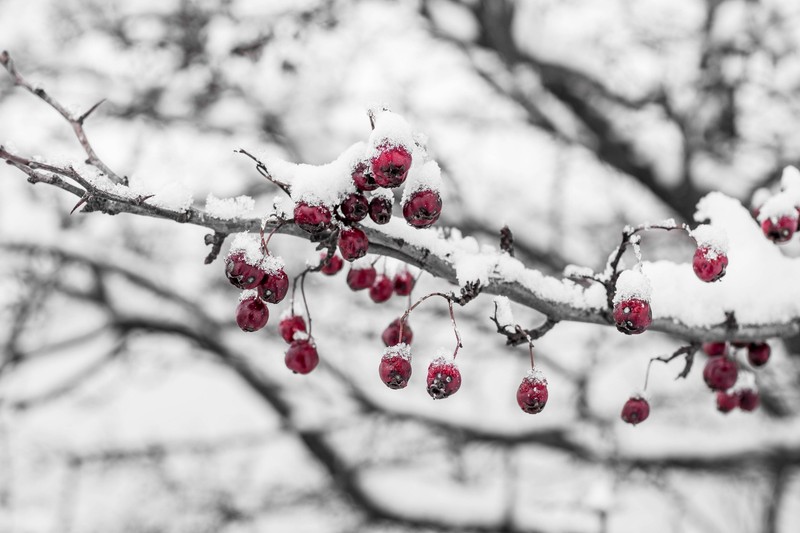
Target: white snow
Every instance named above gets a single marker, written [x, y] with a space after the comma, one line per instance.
[425, 176]
[780, 205]
[402, 349]
[504, 315]
[229, 208]
[390, 130]
[250, 244]
[710, 237]
[632, 284]
[536, 376]
[248, 293]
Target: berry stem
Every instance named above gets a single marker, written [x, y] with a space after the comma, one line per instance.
[262, 169]
[449, 299]
[305, 301]
[687, 351]
[265, 243]
[524, 333]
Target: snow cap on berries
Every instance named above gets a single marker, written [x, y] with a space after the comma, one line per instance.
[423, 177]
[780, 205]
[535, 375]
[402, 350]
[249, 293]
[744, 381]
[250, 245]
[710, 237]
[390, 130]
[632, 284]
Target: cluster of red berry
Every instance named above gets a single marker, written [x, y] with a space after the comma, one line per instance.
[779, 213]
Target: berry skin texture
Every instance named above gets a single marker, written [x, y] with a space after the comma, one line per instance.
[252, 314]
[301, 357]
[381, 290]
[391, 335]
[404, 283]
[291, 325]
[355, 207]
[395, 371]
[727, 401]
[353, 243]
[532, 395]
[709, 265]
[758, 353]
[390, 166]
[363, 179]
[380, 210]
[720, 373]
[444, 379]
[714, 348]
[633, 316]
[422, 208]
[333, 266]
[780, 230]
[359, 279]
[274, 287]
[636, 410]
[749, 400]
[240, 273]
[312, 218]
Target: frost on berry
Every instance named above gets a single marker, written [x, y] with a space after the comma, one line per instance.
[363, 178]
[381, 290]
[354, 207]
[332, 266]
[635, 410]
[389, 149]
[532, 392]
[361, 278]
[302, 356]
[391, 335]
[714, 348]
[390, 166]
[749, 399]
[444, 378]
[404, 283]
[380, 209]
[353, 243]
[720, 373]
[395, 366]
[243, 264]
[632, 314]
[274, 287]
[312, 218]
[251, 314]
[422, 208]
[778, 216]
[289, 325]
[727, 401]
[758, 353]
[709, 264]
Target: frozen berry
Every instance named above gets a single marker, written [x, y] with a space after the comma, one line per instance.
[312, 218]
[333, 266]
[632, 316]
[391, 335]
[380, 210]
[404, 283]
[532, 393]
[422, 208]
[302, 356]
[355, 207]
[727, 401]
[720, 373]
[444, 379]
[395, 367]
[252, 313]
[290, 325]
[353, 243]
[779, 229]
[758, 353]
[363, 179]
[748, 400]
[242, 274]
[714, 348]
[381, 290]
[709, 264]
[361, 278]
[390, 166]
[274, 287]
[635, 410]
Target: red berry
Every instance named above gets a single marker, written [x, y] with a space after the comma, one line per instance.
[720, 373]
[532, 393]
[380, 210]
[274, 287]
[444, 379]
[355, 207]
[395, 367]
[353, 243]
[635, 410]
[333, 266]
[242, 274]
[780, 229]
[390, 166]
[749, 400]
[312, 218]
[422, 208]
[361, 278]
[758, 353]
[714, 348]
[290, 325]
[381, 290]
[404, 283]
[363, 179]
[709, 264]
[391, 335]
[302, 356]
[727, 401]
[252, 313]
[632, 316]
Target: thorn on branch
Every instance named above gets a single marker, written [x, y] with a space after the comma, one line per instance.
[214, 240]
[731, 324]
[89, 112]
[82, 201]
[139, 200]
[507, 241]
